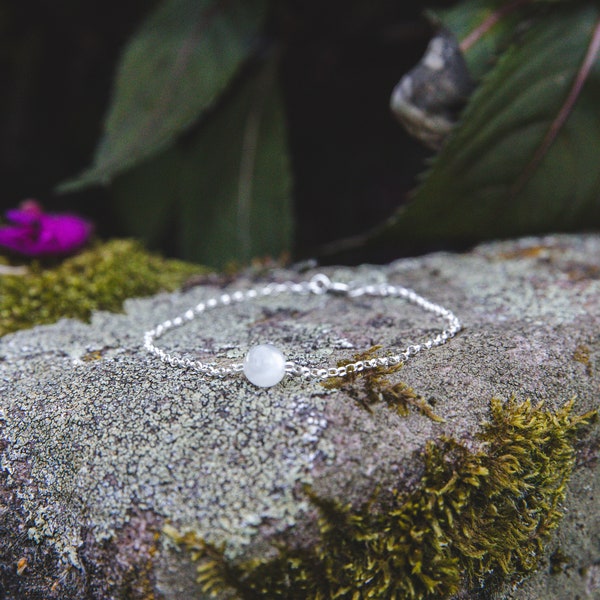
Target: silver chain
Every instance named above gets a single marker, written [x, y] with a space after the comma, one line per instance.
[320, 284]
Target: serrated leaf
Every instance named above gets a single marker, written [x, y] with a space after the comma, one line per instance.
[174, 68]
[523, 160]
[226, 189]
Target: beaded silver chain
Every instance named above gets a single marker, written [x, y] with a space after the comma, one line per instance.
[265, 365]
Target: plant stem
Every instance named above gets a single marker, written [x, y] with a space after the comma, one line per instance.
[488, 23]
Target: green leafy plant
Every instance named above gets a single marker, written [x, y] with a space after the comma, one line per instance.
[226, 185]
[174, 69]
[524, 158]
[195, 139]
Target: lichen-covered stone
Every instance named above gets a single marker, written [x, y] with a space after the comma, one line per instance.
[116, 468]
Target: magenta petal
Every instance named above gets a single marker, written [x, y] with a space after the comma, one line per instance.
[18, 239]
[22, 217]
[39, 234]
[12, 235]
[60, 234]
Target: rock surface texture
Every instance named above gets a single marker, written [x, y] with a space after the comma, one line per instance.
[103, 446]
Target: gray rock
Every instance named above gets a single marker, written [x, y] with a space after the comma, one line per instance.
[102, 445]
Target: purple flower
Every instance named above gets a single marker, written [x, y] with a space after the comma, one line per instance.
[35, 233]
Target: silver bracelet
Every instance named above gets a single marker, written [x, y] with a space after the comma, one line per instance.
[265, 365]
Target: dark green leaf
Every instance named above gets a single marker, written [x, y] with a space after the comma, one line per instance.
[525, 158]
[226, 189]
[146, 197]
[484, 28]
[236, 182]
[173, 69]
[471, 36]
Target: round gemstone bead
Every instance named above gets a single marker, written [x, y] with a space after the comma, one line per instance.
[264, 365]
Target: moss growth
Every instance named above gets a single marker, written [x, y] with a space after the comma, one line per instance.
[559, 561]
[582, 355]
[476, 516]
[375, 387]
[99, 279]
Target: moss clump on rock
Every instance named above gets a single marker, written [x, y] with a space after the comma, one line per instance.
[376, 387]
[100, 278]
[476, 515]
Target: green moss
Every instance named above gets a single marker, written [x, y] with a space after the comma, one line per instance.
[476, 516]
[371, 386]
[100, 278]
[582, 355]
[559, 561]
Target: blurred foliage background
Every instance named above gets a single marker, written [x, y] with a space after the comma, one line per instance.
[219, 131]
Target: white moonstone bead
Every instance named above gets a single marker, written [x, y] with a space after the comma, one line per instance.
[264, 365]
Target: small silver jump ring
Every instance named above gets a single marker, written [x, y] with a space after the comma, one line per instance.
[319, 284]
